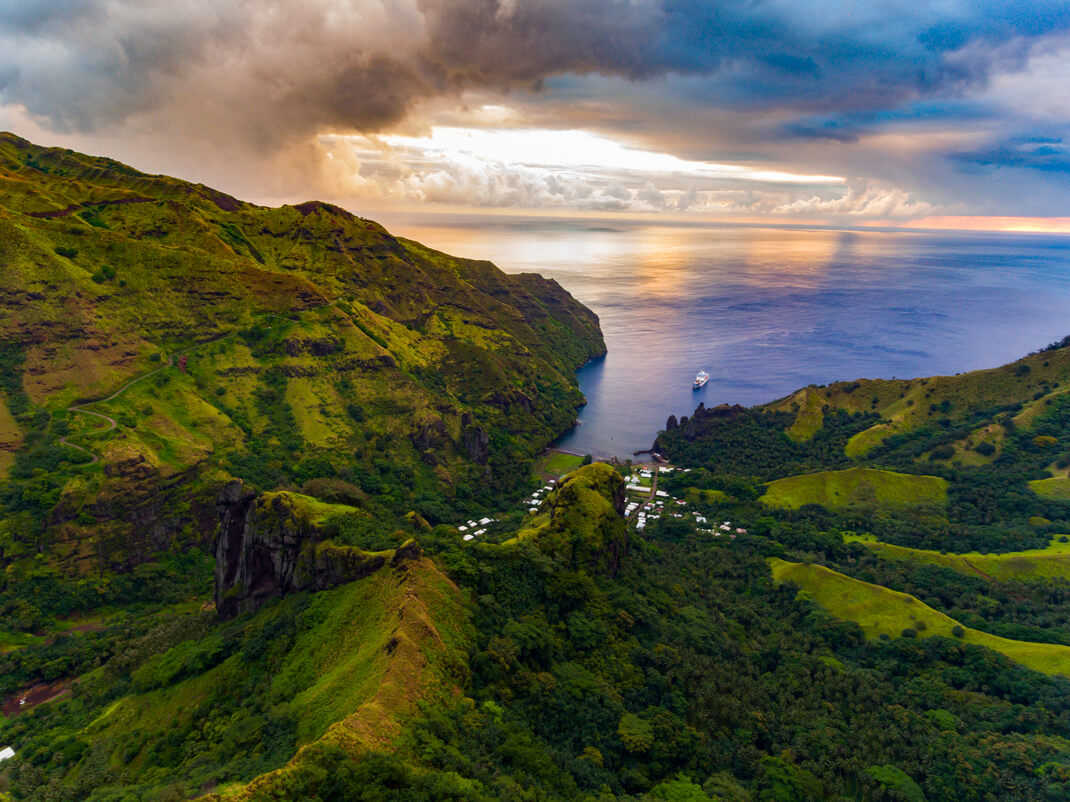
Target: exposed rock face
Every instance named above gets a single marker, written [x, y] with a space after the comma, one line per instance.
[476, 444]
[268, 546]
[512, 400]
[430, 435]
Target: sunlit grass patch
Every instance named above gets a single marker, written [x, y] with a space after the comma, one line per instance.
[855, 486]
[882, 611]
[1050, 562]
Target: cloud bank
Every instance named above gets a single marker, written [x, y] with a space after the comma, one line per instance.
[811, 87]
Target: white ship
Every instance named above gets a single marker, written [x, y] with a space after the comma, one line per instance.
[700, 380]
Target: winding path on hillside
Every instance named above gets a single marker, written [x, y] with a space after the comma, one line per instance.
[112, 423]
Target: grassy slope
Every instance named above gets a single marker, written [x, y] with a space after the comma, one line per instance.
[855, 486]
[879, 610]
[366, 655]
[10, 438]
[809, 419]
[907, 404]
[409, 648]
[557, 464]
[695, 495]
[1055, 487]
[1050, 562]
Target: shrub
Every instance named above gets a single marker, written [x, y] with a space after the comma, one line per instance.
[909, 632]
[946, 451]
[66, 252]
[985, 449]
[958, 631]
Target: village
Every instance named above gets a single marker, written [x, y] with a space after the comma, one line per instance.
[648, 503]
[645, 503]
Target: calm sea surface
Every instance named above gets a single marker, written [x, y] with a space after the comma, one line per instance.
[769, 310]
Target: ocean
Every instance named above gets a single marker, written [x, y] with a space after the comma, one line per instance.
[767, 310]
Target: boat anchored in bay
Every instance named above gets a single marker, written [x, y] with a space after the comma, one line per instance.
[700, 380]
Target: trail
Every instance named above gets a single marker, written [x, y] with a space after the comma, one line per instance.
[112, 423]
[978, 570]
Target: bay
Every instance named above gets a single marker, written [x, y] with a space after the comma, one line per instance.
[767, 310]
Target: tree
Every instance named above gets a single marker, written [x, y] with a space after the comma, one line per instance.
[635, 733]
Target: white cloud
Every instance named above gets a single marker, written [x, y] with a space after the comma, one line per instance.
[524, 170]
[862, 199]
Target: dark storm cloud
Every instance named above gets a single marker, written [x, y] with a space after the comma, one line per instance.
[274, 70]
[849, 126]
[1041, 154]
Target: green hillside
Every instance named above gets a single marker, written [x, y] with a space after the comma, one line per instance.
[161, 335]
[1053, 487]
[241, 698]
[880, 611]
[905, 405]
[1052, 562]
[855, 486]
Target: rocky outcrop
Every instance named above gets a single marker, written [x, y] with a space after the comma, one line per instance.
[587, 524]
[694, 426]
[476, 441]
[316, 346]
[268, 545]
[430, 434]
[512, 401]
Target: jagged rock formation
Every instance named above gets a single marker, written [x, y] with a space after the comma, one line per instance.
[269, 545]
[697, 423]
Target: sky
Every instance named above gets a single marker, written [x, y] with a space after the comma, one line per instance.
[943, 114]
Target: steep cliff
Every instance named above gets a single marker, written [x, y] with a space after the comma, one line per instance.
[270, 544]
